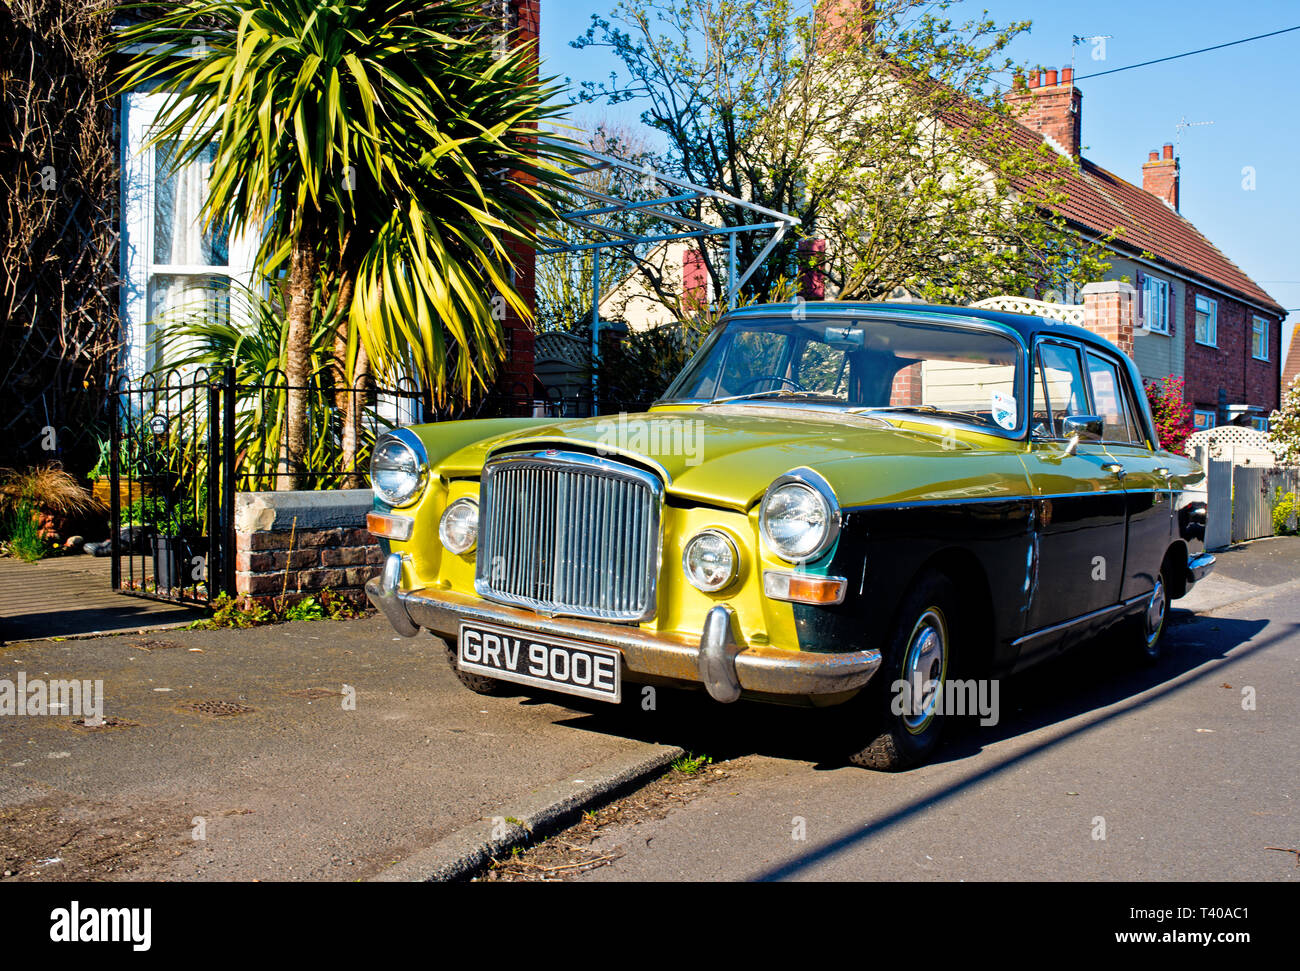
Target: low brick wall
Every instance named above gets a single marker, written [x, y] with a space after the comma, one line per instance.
[301, 543]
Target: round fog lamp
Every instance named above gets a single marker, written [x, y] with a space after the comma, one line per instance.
[710, 560]
[458, 528]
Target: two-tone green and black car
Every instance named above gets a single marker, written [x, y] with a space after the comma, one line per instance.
[832, 504]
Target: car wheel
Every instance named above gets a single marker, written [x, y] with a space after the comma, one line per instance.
[475, 682]
[906, 723]
[1147, 630]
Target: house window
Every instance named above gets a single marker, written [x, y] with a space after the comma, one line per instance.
[1155, 304]
[1259, 338]
[1207, 321]
[1202, 419]
[1259, 424]
[172, 267]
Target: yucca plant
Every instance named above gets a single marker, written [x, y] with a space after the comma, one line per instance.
[386, 143]
[254, 342]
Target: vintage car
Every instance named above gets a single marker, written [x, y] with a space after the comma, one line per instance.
[833, 504]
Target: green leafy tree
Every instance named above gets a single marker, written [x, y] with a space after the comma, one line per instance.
[1284, 426]
[878, 125]
[382, 150]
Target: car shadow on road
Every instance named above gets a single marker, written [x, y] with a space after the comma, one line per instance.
[1092, 677]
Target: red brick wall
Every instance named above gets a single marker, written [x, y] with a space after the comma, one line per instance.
[1230, 365]
[302, 562]
[517, 372]
[1109, 310]
[906, 389]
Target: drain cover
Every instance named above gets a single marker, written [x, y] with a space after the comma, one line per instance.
[146, 645]
[312, 694]
[218, 708]
[108, 722]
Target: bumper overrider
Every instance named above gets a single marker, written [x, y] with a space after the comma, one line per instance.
[716, 661]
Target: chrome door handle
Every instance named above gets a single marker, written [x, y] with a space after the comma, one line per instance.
[1162, 472]
[1114, 468]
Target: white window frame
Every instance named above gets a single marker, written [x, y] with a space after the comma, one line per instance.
[1211, 323]
[139, 117]
[1162, 301]
[1256, 322]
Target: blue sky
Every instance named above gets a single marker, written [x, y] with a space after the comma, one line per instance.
[1251, 92]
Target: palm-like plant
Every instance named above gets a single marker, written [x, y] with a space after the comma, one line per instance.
[385, 144]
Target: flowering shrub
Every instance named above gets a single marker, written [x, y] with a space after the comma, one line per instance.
[1172, 414]
[1284, 426]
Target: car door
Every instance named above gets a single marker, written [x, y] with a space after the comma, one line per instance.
[1148, 496]
[1080, 503]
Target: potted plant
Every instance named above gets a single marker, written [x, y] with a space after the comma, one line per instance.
[132, 483]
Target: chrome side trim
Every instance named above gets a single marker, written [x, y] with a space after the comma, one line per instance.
[1083, 619]
[759, 669]
[384, 592]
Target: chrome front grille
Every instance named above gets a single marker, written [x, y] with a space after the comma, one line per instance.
[569, 533]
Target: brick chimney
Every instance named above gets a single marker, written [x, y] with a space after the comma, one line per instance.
[1160, 176]
[844, 21]
[1050, 107]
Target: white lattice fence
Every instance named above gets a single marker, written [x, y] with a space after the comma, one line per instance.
[1066, 313]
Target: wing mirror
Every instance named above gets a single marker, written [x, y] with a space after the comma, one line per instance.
[1081, 428]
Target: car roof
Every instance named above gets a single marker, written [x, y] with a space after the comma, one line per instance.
[1026, 326]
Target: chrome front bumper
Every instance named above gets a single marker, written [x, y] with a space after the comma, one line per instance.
[725, 669]
[1199, 567]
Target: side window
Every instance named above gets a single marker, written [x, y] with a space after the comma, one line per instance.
[1111, 402]
[1060, 384]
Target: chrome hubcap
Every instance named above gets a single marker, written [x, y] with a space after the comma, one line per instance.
[925, 665]
[1156, 613]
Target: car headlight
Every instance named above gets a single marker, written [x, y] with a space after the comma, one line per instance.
[398, 468]
[458, 527]
[799, 517]
[710, 560]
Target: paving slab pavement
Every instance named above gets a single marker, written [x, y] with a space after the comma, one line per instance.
[297, 788]
[71, 596]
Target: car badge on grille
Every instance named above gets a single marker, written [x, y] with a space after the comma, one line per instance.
[551, 453]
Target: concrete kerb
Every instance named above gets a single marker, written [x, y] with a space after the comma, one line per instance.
[468, 851]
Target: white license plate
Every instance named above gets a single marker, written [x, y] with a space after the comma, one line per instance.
[545, 662]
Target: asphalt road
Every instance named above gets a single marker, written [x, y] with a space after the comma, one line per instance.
[1189, 784]
[1182, 779]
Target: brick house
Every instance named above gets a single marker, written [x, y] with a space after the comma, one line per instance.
[1204, 319]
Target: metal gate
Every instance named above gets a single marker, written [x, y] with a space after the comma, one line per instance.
[172, 486]
[1254, 490]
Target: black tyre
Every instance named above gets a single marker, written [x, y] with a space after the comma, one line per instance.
[476, 683]
[903, 725]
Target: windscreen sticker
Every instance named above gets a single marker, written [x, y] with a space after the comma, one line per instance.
[1004, 410]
